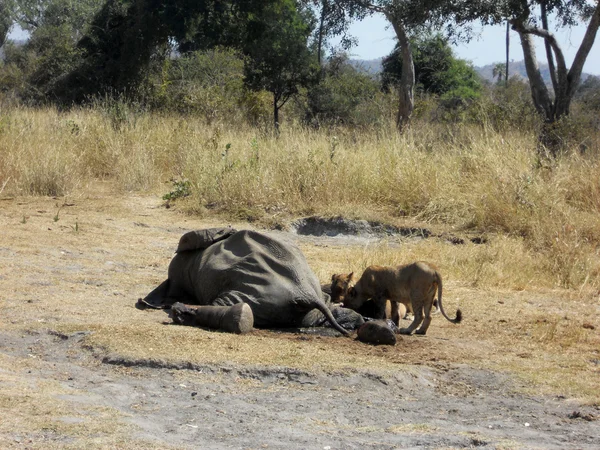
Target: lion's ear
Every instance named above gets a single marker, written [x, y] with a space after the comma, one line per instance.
[350, 275]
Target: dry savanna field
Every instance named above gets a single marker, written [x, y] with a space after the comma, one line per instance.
[91, 211]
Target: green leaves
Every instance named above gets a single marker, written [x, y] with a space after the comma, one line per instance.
[437, 70]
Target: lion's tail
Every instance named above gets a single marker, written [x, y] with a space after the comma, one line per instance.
[458, 317]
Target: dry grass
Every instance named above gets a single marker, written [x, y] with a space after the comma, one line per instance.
[66, 280]
[55, 276]
[468, 179]
[530, 295]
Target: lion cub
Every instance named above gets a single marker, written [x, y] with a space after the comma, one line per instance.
[412, 284]
[340, 283]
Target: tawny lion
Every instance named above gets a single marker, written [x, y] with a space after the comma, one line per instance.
[412, 284]
[341, 283]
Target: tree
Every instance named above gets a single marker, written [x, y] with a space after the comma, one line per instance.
[437, 70]
[333, 21]
[407, 16]
[500, 71]
[279, 59]
[507, 51]
[54, 27]
[342, 94]
[588, 93]
[6, 19]
[564, 81]
[127, 35]
[528, 23]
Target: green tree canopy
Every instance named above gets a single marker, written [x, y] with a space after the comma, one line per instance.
[279, 59]
[437, 70]
[125, 35]
[55, 26]
[6, 19]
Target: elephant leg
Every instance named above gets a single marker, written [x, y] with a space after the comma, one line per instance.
[377, 332]
[347, 318]
[232, 319]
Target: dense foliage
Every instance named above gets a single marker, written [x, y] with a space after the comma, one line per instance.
[246, 60]
[437, 70]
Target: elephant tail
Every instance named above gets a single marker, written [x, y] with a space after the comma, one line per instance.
[327, 312]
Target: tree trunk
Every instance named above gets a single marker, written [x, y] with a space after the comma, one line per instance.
[5, 23]
[407, 80]
[539, 91]
[549, 55]
[507, 51]
[276, 113]
[321, 31]
[565, 81]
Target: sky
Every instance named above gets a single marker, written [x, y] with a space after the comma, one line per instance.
[376, 39]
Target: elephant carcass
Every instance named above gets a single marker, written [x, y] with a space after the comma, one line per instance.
[224, 267]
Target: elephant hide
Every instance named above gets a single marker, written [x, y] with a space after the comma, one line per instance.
[270, 275]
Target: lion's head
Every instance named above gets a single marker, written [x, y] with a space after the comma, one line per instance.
[340, 284]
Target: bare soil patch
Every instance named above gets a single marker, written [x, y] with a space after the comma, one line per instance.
[80, 366]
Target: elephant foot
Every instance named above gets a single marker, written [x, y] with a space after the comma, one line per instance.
[377, 332]
[237, 319]
[406, 331]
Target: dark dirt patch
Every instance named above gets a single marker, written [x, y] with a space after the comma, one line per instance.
[335, 226]
[343, 228]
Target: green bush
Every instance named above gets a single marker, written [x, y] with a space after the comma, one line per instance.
[205, 83]
[344, 95]
[506, 107]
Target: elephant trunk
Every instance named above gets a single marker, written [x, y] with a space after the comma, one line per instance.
[232, 319]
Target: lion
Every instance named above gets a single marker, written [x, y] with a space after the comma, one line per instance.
[412, 284]
[341, 283]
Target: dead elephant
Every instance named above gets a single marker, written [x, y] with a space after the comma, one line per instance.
[222, 267]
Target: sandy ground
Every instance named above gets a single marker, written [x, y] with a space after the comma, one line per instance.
[70, 378]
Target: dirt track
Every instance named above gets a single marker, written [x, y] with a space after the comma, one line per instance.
[59, 388]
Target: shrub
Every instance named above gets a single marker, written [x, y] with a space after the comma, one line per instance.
[344, 95]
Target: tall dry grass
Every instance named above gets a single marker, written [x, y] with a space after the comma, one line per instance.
[545, 215]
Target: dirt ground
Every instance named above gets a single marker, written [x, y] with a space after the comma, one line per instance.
[81, 367]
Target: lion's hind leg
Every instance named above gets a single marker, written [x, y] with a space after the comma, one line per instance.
[417, 300]
[427, 320]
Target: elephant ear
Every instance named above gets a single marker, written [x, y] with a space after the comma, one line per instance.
[201, 239]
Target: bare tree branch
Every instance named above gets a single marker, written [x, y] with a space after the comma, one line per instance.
[549, 54]
[584, 49]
